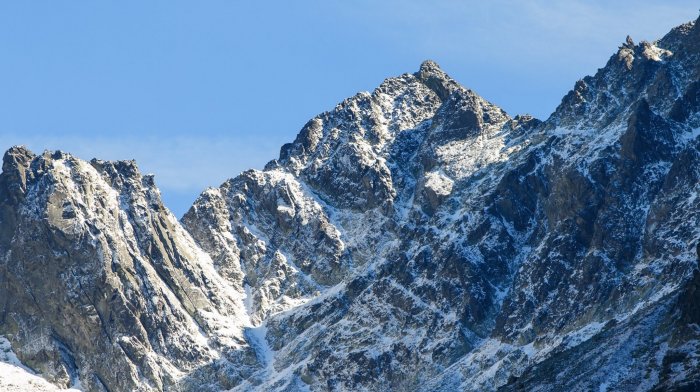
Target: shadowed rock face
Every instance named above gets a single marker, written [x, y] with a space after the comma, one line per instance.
[413, 238]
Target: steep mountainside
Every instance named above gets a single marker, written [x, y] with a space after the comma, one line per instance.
[412, 238]
[100, 284]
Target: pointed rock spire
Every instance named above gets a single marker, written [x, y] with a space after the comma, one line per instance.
[14, 170]
[436, 79]
[16, 155]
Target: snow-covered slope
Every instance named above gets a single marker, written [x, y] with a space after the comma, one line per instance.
[413, 238]
[15, 377]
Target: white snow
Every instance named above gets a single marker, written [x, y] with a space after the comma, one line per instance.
[582, 334]
[15, 377]
[462, 158]
[653, 52]
[257, 336]
[439, 183]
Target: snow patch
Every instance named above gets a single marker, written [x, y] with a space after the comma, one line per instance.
[439, 183]
[15, 377]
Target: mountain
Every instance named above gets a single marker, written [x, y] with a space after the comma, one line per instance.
[413, 238]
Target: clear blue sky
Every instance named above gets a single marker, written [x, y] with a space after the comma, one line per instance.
[197, 91]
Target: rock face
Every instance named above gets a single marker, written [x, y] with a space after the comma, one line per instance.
[412, 238]
[100, 284]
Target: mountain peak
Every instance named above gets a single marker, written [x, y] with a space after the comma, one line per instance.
[436, 79]
[14, 155]
[430, 66]
[14, 171]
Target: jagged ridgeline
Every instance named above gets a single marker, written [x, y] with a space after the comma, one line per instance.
[412, 238]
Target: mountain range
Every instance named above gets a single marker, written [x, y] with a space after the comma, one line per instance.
[413, 238]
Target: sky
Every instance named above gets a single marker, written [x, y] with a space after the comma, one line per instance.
[197, 92]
